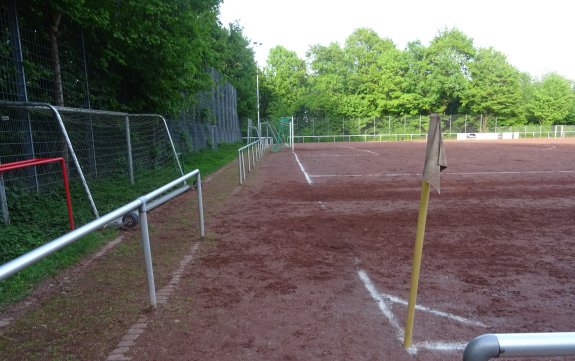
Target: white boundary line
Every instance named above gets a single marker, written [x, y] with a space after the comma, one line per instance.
[444, 173]
[361, 150]
[307, 177]
[381, 299]
[395, 299]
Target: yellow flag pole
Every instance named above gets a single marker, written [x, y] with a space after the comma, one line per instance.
[417, 253]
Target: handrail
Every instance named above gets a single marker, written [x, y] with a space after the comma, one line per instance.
[257, 148]
[17, 264]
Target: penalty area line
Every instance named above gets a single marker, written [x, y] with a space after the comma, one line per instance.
[361, 150]
[307, 177]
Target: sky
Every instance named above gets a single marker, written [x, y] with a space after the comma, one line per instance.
[536, 36]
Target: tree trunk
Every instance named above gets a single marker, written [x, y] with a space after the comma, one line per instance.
[58, 88]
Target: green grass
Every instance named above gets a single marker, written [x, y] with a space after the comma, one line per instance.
[36, 220]
[208, 161]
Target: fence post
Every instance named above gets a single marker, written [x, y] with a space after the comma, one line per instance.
[129, 145]
[200, 204]
[240, 164]
[4, 201]
[143, 213]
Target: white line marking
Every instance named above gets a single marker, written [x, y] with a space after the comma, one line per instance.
[364, 175]
[515, 172]
[442, 346]
[336, 175]
[303, 170]
[381, 300]
[401, 301]
[338, 156]
[381, 304]
[443, 173]
[361, 150]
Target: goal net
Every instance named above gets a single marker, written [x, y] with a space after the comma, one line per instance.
[112, 157]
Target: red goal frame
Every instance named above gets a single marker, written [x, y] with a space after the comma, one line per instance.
[38, 161]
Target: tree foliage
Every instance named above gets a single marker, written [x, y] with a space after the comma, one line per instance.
[494, 87]
[286, 78]
[369, 77]
[553, 99]
[148, 56]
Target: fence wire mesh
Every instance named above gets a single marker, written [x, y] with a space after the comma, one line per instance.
[115, 150]
[412, 127]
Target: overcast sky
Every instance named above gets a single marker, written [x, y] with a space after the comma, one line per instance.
[536, 35]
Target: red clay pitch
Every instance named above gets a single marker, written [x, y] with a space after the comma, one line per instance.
[321, 271]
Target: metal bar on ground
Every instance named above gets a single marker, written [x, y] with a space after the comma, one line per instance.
[548, 344]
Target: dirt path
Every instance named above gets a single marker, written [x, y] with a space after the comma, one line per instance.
[84, 313]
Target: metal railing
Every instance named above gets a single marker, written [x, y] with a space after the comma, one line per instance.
[488, 346]
[254, 151]
[143, 204]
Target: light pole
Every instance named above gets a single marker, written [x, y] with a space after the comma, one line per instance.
[258, 92]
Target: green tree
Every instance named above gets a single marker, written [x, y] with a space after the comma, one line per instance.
[285, 80]
[363, 51]
[238, 65]
[328, 79]
[414, 67]
[447, 71]
[552, 100]
[494, 87]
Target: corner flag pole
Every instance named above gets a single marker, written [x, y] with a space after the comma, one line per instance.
[435, 162]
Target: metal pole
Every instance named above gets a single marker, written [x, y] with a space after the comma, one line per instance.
[21, 89]
[243, 166]
[312, 127]
[240, 164]
[4, 201]
[404, 125]
[129, 145]
[143, 213]
[420, 124]
[292, 135]
[249, 160]
[258, 99]
[200, 204]
[74, 158]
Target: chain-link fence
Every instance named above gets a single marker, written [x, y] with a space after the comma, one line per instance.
[413, 127]
[104, 152]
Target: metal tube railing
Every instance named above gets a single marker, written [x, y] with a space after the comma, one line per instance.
[17, 264]
[255, 151]
[488, 346]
